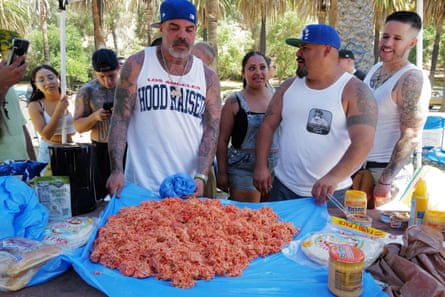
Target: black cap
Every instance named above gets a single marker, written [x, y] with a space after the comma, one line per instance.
[345, 54]
[105, 60]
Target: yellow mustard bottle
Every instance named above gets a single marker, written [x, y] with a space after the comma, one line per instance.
[346, 265]
[419, 203]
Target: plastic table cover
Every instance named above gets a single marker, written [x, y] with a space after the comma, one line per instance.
[274, 275]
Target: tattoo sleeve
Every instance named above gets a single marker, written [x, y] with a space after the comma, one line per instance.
[211, 121]
[412, 119]
[125, 98]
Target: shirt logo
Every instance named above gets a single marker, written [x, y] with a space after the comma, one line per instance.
[319, 121]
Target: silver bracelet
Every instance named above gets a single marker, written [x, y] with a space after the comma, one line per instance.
[202, 177]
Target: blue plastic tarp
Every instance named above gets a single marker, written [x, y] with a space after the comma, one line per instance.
[21, 213]
[275, 275]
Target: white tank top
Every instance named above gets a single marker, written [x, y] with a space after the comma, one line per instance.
[314, 135]
[165, 131]
[387, 132]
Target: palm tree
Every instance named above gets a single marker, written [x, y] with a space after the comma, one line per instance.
[42, 9]
[98, 8]
[355, 22]
[259, 11]
[13, 18]
[434, 13]
[212, 23]
[13, 15]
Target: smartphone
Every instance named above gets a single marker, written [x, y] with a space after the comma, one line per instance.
[19, 48]
[108, 105]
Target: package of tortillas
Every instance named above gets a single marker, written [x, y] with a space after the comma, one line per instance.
[69, 234]
[20, 259]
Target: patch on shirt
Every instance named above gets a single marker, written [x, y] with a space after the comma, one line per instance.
[319, 121]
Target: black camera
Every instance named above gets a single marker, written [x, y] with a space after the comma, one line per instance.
[108, 106]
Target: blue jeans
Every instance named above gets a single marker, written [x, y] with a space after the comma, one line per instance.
[280, 192]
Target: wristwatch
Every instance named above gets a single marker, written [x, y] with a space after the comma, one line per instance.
[202, 177]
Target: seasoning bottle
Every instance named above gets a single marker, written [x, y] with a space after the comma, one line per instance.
[355, 202]
[419, 203]
[346, 265]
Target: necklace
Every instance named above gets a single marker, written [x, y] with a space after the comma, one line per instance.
[176, 92]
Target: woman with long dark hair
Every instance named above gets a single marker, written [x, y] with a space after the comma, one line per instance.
[241, 117]
[47, 109]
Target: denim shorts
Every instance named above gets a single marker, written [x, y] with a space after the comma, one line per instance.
[241, 165]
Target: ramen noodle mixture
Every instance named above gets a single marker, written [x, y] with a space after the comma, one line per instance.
[188, 240]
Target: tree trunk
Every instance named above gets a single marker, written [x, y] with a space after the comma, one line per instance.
[435, 53]
[355, 26]
[212, 28]
[148, 8]
[333, 13]
[263, 35]
[99, 40]
[46, 52]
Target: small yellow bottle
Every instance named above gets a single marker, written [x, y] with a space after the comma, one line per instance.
[419, 203]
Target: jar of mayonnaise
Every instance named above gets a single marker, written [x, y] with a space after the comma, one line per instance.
[346, 265]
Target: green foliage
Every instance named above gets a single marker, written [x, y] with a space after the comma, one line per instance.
[77, 57]
[284, 55]
[6, 38]
[233, 44]
[233, 40]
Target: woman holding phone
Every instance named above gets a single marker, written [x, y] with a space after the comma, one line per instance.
[47, 109]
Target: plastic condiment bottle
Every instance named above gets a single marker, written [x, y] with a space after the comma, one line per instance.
[419, 203]
[356, 202]
[346, 265]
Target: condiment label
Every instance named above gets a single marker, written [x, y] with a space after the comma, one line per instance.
[358, 228]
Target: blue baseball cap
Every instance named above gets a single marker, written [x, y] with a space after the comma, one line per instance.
[317, 34]
[178, 9]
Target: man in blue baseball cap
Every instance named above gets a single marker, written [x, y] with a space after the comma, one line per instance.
[317, 34]
[167, 108]
[327, 119]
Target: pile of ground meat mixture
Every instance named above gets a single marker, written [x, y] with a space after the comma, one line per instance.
[188, 240]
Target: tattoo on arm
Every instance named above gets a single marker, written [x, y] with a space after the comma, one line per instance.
[411, 112]
[412, 117]
[125, 99]
[211, 119]
[367, 108]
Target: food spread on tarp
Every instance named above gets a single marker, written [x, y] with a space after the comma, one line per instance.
[188, 240]
[273, 275]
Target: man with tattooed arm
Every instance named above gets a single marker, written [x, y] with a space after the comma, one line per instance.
[167, 108]
[402, 92]
[326, 118]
